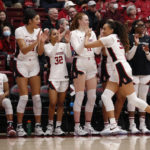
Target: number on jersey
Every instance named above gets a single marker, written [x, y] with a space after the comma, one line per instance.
[58, 60]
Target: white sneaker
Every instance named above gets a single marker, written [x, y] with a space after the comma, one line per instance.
[106, 130]
[114, 129]
[133, 129]
[59, 131]
[91, 130]
[20, 131]
[122, 132]
[79, 131]
[38, 130]
[144, 130]
[49, 130]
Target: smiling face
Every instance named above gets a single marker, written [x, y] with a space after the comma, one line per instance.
[35, 22]
[140, 27]
[2, 16]
[54, 36]
[107, 30]
[84, 22]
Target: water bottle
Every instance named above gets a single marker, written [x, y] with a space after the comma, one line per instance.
[29, 127]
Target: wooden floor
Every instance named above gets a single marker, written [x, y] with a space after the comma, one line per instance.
[76, 143]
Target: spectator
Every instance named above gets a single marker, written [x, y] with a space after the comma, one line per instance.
[72, 12]
[81, 5]
[113, 12]
[131, 14]
[52, 21]
[94, 16]
[64, 12]
[63, 27]
[7, 43]
[4, 22]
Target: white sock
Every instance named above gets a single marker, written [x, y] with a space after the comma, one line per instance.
[58, 123]
[113, 121]
[131, 121]
[77, 125]
[142, 122]
[87, 124]
[50, 122]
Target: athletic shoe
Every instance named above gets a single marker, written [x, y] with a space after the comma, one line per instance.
[38, 130]
[144, 130]
[79, 131]
[91, 130]
[106, 130]
[133, 129]
[122, 132]
[49, 130]
[11, 131]
[58, 131]
[20, 131]
[114, 130]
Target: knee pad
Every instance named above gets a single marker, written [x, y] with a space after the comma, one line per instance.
[22, 103]
[37, 105]
[137, 102]
[91, 95]
[107, 99]
[130, 106]
[8, 106]
[78, 101]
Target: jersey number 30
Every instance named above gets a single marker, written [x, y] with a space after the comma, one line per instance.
[58, 60]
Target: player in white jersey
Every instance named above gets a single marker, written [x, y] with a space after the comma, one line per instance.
[30, 42]
[6, 104]
[116, 42]
[84, 73]
[58, 78]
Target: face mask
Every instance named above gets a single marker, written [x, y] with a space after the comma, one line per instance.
[115, 6]
[6, 33]
[67, 27]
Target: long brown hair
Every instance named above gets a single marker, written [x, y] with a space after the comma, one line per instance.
[75, 22]
[121, 31]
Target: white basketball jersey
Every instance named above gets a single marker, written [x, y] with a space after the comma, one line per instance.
[57, 53]
[114, 48]
[22, 33]
[77, 42]
[3, 78]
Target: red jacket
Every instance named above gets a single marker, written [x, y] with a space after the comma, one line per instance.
[6, 46]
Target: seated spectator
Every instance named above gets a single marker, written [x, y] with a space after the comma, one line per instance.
[4, 22]
[64, 12]
[131, 14]
[143, 7]
[113, 12]
[94, 16]
[81, 5]
[6, 104]
[7, 42]
[72, 12]
[52, 21]
[63, 27]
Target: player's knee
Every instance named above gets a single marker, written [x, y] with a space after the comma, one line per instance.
[22, 103]
[6, 103]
